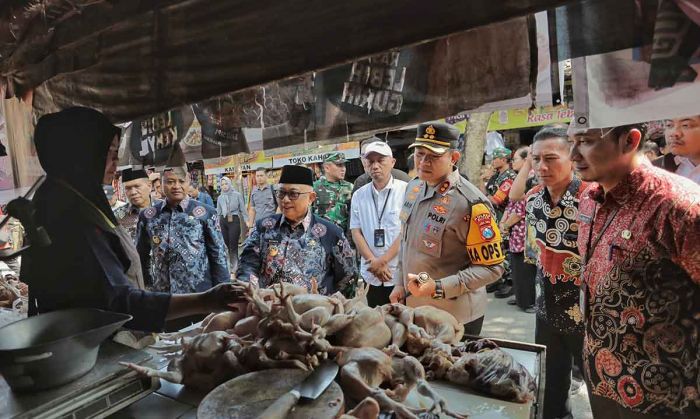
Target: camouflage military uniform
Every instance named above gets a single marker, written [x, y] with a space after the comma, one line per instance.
[332, 201]
[498, 187]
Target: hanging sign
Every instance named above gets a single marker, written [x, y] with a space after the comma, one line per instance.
[317, 155]
[525, 118]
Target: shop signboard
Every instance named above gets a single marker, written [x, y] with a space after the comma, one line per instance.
[240, 162]
[526, 118]
[317, 155]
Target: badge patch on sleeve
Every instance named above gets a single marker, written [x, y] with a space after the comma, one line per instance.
[484, 243]
[501, 194]
[199, 211]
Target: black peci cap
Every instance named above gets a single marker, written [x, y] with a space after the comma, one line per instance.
[298, 175]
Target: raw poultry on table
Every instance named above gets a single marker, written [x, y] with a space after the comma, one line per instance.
[285, 326]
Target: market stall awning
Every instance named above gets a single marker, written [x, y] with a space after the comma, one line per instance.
[132, 58]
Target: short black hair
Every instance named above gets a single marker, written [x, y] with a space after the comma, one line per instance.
[522, 152]
[624, 129]
[261, 169]
[551, 131]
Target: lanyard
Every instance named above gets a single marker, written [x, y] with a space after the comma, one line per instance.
[608, 221]
[376, 208]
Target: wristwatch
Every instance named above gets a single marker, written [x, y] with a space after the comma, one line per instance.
[423, 277]
[439, 290]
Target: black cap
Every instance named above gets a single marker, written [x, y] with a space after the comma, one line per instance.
[297, 175]
[133, 174]
[436, 136]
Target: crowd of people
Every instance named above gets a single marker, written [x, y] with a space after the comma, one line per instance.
[581, 228]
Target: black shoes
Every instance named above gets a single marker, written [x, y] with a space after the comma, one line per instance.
[493, 287]
[504, 291]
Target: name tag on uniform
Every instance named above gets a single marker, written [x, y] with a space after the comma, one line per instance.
[379, 237]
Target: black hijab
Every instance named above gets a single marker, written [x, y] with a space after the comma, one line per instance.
[72, 146]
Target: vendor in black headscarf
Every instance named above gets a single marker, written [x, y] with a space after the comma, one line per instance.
[87, 262]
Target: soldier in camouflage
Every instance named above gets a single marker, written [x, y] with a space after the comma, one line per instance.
[497, 190]
[333, 191]
[498, 187]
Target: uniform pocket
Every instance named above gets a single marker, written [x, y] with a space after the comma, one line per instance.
[430, 245]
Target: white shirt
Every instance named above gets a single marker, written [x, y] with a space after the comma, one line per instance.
[365, 216]
[687, 169]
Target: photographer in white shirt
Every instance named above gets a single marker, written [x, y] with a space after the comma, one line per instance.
[375, 223]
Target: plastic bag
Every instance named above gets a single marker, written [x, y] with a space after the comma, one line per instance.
[494, 372]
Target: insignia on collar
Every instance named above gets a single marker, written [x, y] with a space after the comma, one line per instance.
[412, 196]
[444, 187]
[199, 211]
[416, 188]
[440, 209]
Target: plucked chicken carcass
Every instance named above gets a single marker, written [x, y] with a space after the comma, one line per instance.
[367, 329]
[370, 372]
[424, 327]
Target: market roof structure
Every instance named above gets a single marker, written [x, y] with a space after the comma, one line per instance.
[132, 58]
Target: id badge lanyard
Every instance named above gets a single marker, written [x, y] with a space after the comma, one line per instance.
[376, 208]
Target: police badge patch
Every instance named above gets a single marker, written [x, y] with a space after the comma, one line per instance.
[484, 222]
[440, 209]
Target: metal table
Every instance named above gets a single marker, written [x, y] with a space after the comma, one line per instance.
[107, 388]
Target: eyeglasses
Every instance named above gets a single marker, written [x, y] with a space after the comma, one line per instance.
[293, 195]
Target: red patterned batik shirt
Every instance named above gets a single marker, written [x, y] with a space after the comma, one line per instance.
[555, 230]
[643, 275]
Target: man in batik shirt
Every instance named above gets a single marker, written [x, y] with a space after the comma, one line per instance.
[297, 246]
[639, 237]
[179, 241]
[552, 213]
[138, 190]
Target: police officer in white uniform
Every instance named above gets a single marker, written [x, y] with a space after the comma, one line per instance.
[451, 247]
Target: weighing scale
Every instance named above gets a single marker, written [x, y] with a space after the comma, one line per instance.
[107, 388]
